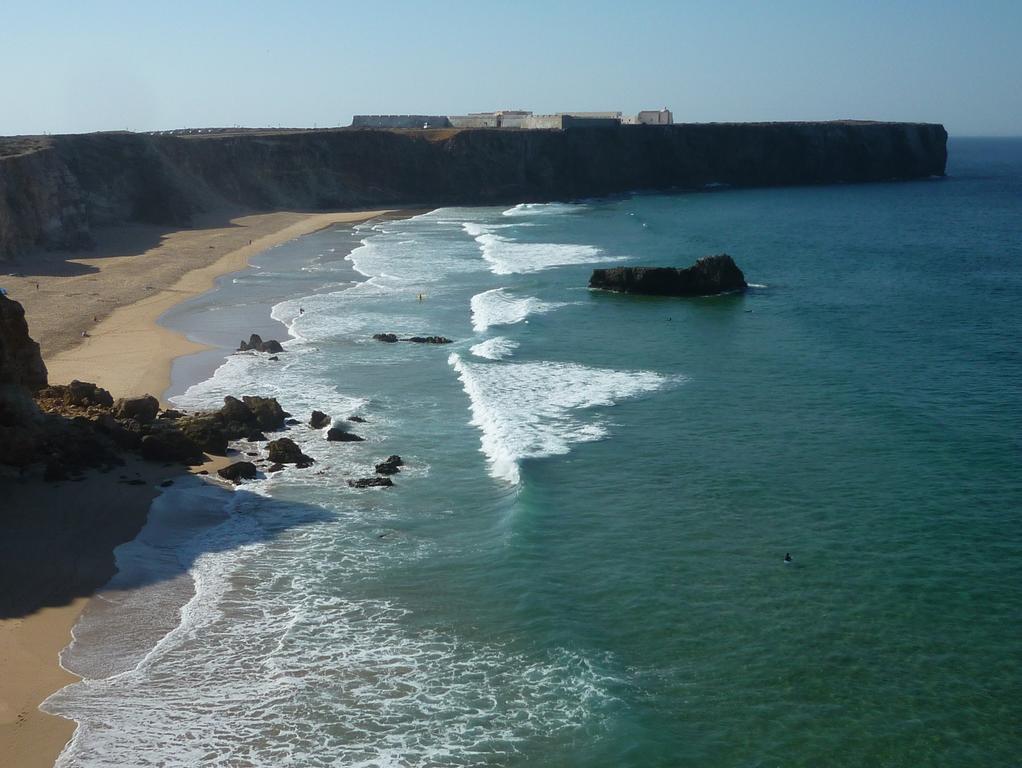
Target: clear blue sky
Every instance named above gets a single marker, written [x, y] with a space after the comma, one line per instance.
[97, 65]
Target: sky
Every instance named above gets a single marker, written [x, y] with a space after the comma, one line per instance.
[69, 67]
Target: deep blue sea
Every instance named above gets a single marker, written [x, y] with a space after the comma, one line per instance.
[581, 562]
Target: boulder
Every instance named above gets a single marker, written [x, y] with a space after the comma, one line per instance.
[238, 471]
[319, 420]
[275, 468]
[126, 434]
[285, 451]
[171, 445]
[170, 413]
[206, 430]
[430, 340]
[390, 466]
[267, 412]
[235, 412]
[80, 394]
[339, 435]
[246, 418]
[357, 419]
[710, 275]
[389, 338]
[142, 409]
[370, 482]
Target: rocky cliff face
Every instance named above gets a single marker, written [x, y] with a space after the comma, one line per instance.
[53, 194]
[22, 374]
[20, 362]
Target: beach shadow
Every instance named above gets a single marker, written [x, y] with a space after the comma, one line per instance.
[132, 239]
[58, 547]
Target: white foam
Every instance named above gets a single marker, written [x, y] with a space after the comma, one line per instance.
[499, 307]
[496, 348]
[544, 209]
[508, 257]
[533, 410]
[277, 662]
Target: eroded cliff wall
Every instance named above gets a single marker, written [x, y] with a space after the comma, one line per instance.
[53, 195]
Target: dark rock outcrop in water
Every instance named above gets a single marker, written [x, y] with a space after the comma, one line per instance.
[371, 482]
[286, 451]
[255, 343]
[319, 420]
[391, 338]
[55, 190]
[390, 466]
[708, 276]
[341, 435]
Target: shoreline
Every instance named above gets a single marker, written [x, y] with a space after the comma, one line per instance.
[131, 353]
[127, 352]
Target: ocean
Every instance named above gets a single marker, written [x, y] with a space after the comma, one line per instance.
[581, 561]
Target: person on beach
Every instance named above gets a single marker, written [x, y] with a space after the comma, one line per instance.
[301, 310]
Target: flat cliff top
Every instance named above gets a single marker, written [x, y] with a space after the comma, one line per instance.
[11, 146]
[17, 145]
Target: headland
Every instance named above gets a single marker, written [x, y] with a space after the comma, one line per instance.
[59, 191]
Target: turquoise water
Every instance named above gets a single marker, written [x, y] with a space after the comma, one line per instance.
[581, 563]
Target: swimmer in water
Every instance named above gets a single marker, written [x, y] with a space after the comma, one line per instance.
[787, 557]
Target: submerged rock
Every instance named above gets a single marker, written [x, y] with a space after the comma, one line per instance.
[430, 340]
[710, 275]
[370, 482]
[389, 338]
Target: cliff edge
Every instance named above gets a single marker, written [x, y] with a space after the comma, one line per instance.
[55, 190]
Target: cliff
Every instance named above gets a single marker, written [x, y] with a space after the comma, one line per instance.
[55, 190]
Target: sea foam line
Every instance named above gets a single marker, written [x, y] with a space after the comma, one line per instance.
[534, 410]
[499, 307]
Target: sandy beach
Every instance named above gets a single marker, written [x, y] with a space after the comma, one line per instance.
[115, 294]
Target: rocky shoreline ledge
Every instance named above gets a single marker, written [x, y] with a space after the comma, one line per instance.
[56, 432]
